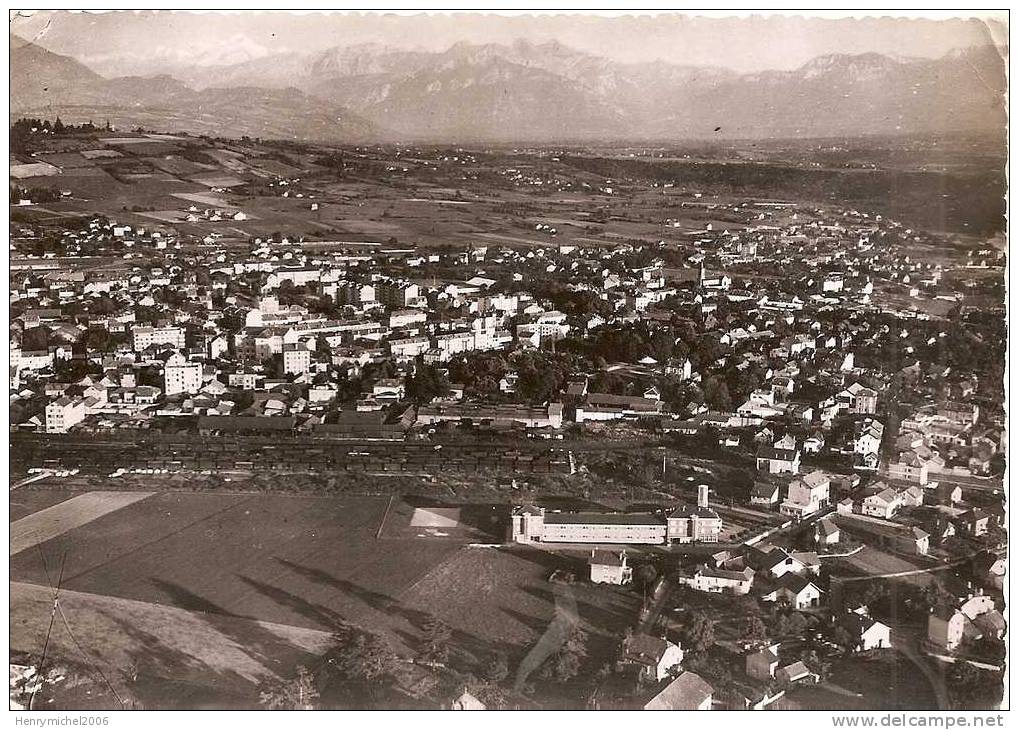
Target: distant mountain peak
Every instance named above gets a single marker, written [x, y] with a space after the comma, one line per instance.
[525, 90]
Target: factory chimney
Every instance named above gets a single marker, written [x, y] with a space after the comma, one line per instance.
[702, 495]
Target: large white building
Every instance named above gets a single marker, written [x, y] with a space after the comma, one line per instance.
[64, 413]
[144, 337]
[181, 376]
[296, 359]
[807, 495]
[684, 525]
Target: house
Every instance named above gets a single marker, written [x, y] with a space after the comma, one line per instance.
[181, 376]
[795, 590]
[807, 495]
[467, 701]
[946, 627]
[776, 562]
[974, 522]
[296, 359]
[866, 633]
[813, 444]
[867, 438]
[64, 413]
[688, 691]
[976, 604]
[826, 532]
[858, 399]
[989, 569]
[795, 672]
[609, 566]
[762, 664]
[778, 461]
[764, 494]
[709, 579]
[657, 658]
[884, 503]
[910, 466]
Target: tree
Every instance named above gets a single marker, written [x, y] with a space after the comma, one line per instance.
[970, 688]
[35, 338]
[366, 657]
[426, 383]
[716, 394]
[842, 638]
[699, 634]
[295, 694]
[797, 624]
[497, 668]
[647, 574]
[437, 639]
[564, 665]
[753, 630]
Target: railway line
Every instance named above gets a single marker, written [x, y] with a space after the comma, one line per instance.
[283, 456]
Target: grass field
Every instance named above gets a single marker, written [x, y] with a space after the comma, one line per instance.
[65, 516]
[24, 502]
[217, 590]
[887, 681]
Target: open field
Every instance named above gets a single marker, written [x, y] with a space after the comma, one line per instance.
[63, 517]
[227, 653]
[219, 590]
[24, 502]
[887, 681]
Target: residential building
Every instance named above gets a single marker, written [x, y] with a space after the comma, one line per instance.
[609, 566]
[181, 376]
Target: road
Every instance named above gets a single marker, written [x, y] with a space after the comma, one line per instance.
[905, 640]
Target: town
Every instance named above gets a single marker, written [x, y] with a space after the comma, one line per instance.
[491, 428]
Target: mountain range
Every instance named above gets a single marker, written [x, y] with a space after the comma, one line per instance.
[525, 92]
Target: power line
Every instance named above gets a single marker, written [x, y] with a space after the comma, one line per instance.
[49, 629]
[88, 659]
[63, 618]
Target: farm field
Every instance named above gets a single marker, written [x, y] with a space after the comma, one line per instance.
[217, 590]
[57, 519]
[887, 681]
[24, 502]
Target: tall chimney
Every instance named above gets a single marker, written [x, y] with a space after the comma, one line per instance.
[702, 495]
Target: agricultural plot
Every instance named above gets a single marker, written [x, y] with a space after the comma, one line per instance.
[54, 521]
[24, 502]
[161, 640]
[887, 681]
[309, 562]
[218, 590]
[33, 169]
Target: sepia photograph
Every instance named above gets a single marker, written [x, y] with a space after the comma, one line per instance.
[508, 360]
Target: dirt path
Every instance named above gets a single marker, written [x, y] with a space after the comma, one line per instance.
[905, 643]
[566, 617]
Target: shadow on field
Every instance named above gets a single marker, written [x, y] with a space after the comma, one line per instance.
[258, 642]
[390, 606]
[325, 618]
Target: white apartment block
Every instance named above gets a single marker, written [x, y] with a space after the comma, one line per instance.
[296, 359]
[144, 337]
[64, 413]
[181, 376]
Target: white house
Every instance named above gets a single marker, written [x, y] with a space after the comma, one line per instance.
[658, 658]
[609, 566]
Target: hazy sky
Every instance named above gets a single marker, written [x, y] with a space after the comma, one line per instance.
[151, 39]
